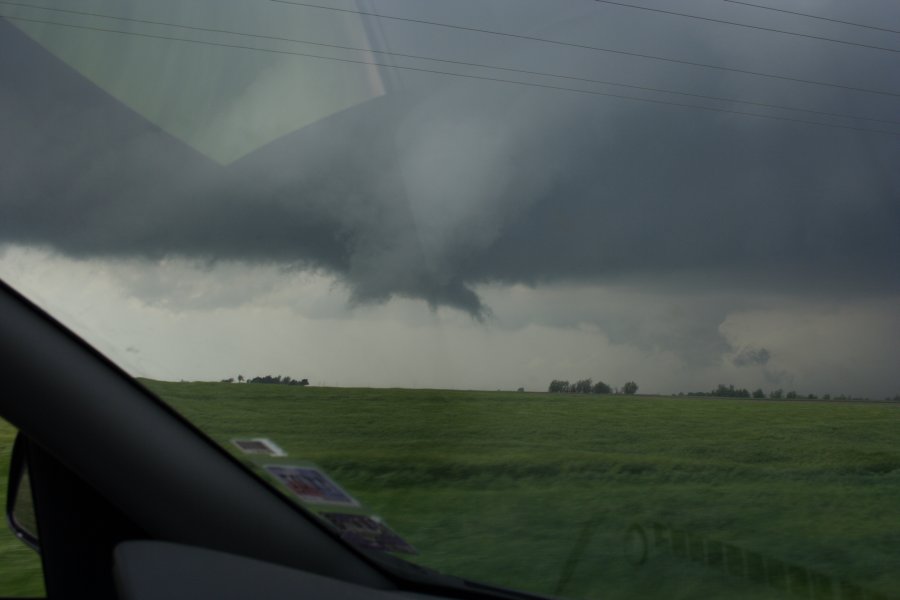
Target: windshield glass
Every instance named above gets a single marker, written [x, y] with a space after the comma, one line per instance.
[584, 298]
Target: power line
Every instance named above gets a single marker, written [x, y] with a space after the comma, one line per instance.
[745, 25]
[596, 48]
[791, 12]
[456, 62]
[459, 75]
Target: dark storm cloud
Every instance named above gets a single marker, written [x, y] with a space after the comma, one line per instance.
[750, 356]
[428, 195]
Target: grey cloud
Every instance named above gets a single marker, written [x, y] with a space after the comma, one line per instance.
[779, 377]
[427, 195]
[750, 356]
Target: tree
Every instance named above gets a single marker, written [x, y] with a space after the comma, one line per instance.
[558, 386]
[583, 386]
[792, 395]
[758, 393]
[240, 378]
[630, 388]
[776, 394]
[601, 388]
[278, 379]
[728, 391]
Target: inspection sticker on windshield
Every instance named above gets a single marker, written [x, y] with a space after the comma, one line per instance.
[368, 532]
[311, 485]
[259, 446]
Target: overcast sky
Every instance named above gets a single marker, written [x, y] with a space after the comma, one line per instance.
[199, 211]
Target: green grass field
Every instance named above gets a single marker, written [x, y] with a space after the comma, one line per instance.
[20, 566]
[537, 491]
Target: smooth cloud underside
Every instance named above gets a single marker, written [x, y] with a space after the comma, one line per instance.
[425, 195]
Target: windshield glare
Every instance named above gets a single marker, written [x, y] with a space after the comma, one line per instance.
[583, 298]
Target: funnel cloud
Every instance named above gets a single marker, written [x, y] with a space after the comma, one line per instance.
[435, 189]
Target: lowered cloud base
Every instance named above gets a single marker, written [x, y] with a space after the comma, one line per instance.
[560, 235]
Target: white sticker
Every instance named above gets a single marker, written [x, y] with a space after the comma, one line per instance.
[258, 446]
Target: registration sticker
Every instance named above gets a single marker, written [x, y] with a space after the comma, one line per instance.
[258, 446]
[311, 485]
[368, 532]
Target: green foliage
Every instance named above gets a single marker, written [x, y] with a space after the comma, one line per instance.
[558, 386]
[728, 391]
[277, 379]
[20, 566]
[601, 388]
[630, 388]
[583, 386]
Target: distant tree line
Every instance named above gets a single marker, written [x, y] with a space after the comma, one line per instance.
[729, 391]
[276, 379]
[587, 386]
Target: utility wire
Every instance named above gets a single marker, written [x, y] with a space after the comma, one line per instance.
[596, 48]
[745, 25]
[791, 12]
[458, 62]
[458, 75]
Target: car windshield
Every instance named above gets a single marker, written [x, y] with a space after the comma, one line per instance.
[578, 297]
